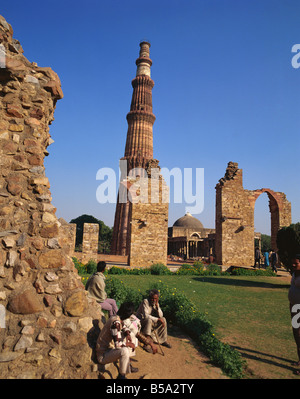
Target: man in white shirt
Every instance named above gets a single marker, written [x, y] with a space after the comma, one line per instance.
[118, 340]
[153, 323]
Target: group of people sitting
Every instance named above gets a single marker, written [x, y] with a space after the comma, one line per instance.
[125, 328]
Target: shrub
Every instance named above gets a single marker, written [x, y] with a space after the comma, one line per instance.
[198, 269]
[134, 296]
[116, 289]
[187, 269]
[186, 266]
[124, 270]
[223, 355]
[159, 269]
[117, 270]
[199, 266]
[246, 272]
[140, 271]
[79, 266]
[214, 270]
[91, 267]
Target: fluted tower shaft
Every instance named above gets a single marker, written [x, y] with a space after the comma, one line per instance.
[139, 144]
[140, 119]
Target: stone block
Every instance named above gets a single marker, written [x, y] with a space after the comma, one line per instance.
[52, 259]
[25, 302]
[76, 304]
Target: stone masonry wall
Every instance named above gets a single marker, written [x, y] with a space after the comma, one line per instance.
[48, 323]
[90, 241]
[67, 234]
[235, 218]
[149, 224]
[234, 224]
[280, 209]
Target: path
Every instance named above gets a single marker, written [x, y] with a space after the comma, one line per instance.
[182, 361]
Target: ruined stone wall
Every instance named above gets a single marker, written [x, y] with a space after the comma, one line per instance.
[49, 320]
[90, 242]
[67, 236]
[280, 209]
[149, 224]
[235, 218]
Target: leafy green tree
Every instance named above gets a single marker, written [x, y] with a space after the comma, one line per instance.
[288, 243]
[105, 232]
[265, 243]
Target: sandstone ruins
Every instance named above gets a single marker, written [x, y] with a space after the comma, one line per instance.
[50, 325]
[235, 218]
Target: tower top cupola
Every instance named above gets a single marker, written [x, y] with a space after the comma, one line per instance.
[144, 62]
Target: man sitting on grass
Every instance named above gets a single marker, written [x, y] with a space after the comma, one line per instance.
[154, 325]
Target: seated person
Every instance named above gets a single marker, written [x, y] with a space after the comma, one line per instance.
[154, 325]
[132, 333]
[115, 341]
[131, 328]
[96, 289]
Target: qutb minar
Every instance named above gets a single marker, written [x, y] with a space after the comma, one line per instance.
[141, 228]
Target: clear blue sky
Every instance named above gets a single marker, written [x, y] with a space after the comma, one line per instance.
[225, 90]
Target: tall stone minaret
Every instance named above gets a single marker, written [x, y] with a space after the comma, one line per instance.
[139, 143]
[137, 161]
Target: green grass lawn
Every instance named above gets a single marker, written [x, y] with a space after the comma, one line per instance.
[249, 313]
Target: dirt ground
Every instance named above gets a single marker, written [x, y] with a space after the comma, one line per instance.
[182, 361]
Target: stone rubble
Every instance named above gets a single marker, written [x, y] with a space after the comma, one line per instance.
[50, 324]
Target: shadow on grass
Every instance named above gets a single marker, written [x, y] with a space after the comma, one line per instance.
[247, 354]
[270, 359]
[239, 282]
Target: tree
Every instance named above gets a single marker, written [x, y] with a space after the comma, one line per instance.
[105, 232]
[288, 243]
[265, 243]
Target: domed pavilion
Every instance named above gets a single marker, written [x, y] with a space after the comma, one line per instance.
[189, 239]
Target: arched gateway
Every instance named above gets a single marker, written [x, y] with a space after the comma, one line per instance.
[235, 218]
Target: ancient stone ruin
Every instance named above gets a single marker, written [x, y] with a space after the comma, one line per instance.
[48, 325]
[235, 218]
[90, 242]
[141, 220]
